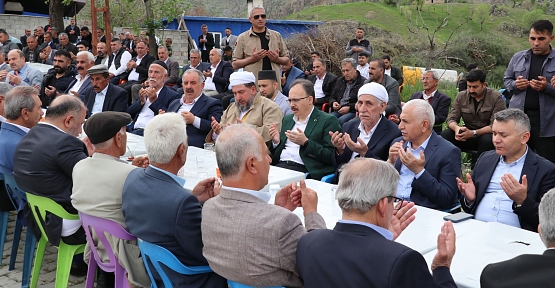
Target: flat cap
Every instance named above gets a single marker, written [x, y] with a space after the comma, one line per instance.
[103, 126]
[98, 69]
[42, 46]
[267, 75]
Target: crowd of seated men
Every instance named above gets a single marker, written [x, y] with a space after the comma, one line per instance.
[353, 127]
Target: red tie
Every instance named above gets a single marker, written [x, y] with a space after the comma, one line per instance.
[429, 99]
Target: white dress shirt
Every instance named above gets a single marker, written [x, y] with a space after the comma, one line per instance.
[364, 136]
[319, 93]
[364, 70]
[99, 101]
[134, 75]
[291, 150]
[78, 83]
[146, 113]
[264, 196]
[125, 57]
[208, 82]
[187, 108]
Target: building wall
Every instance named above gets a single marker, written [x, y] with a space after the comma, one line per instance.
[180, 43]
[15, 24]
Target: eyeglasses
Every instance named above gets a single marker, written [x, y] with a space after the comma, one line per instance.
[258, 16]
[296, 100]
[397, 202]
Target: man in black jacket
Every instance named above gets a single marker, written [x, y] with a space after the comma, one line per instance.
[31, 51]
[344, 96]
[205, 43]
[323, 81]
[137, 68]
[57, 79]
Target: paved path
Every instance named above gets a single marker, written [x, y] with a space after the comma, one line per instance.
[12, 279]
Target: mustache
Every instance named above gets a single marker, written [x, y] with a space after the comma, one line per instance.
[190, 90]
[80, 68]
[152, 79]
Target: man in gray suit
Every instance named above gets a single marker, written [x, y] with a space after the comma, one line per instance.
[241, 220]
[228, 40]
[98, 184]
[22, 73]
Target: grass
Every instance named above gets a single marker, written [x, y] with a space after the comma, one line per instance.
[391, 18]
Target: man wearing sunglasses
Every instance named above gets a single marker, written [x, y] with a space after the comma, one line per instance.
[260, 48]
[360, 251]
[304, 143]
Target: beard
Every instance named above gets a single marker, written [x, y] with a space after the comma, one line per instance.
[246, 107]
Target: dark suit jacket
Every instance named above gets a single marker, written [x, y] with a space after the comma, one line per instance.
[115, 100]
[522, 271]
[202, 66]
[221, 76]
[341, 86]
[317, 156]
[165, 96]
[10, 135]
[205, 108]
[26, 51]
[160, 211]
[45, 161]
[539, 172]
[82, 89]
[173, 71]
[378, 146]
[327, 86]
[397, 75]
[294, 73]
[209, 43]
[441, 104]
[69, 48]
[142, 68]
[353, 255]
[437, 187]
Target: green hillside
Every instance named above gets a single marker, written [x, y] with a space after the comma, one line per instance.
[394, 19]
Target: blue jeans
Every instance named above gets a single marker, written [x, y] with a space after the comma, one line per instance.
[343, 118]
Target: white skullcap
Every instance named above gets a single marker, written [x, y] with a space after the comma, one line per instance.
[238, 78]
[374, 89]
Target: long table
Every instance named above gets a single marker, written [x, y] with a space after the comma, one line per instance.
[490, 243]
[202, 164]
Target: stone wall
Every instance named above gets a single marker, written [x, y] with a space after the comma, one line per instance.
[15, 24]
[180, 41]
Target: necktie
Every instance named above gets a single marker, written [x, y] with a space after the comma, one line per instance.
[429, 99]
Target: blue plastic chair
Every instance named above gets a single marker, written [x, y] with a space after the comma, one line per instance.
[327, 178]
[30, 240]
[4, 215]
[239, 285]
[157, 255]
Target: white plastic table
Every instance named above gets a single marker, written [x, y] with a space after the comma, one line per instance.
[201, 164]
[421, 234]
[490, 243]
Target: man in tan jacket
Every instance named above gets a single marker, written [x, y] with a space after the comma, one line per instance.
[246, 239]
[249, 107]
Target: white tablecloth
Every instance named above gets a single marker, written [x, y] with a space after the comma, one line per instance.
[201, 164]
[490, 243]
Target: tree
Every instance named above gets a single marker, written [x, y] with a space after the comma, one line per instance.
[56, 11]
[431, 26]
[481, 13]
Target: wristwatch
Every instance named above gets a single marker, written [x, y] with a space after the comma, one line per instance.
[305, 143]
[515, 206]
[475, 134]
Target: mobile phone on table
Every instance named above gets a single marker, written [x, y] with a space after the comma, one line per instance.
[458, 217]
